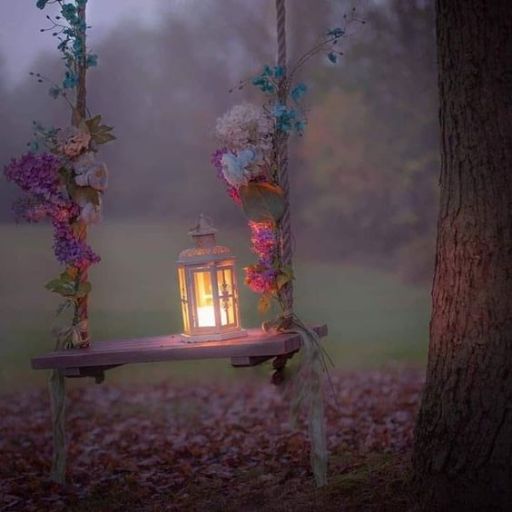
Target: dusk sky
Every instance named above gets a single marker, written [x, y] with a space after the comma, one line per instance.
[21, 41]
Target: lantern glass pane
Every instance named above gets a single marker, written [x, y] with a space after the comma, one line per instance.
[227, 316]
[183, 299]
[205, 310]
[225, 280]
[226, 295]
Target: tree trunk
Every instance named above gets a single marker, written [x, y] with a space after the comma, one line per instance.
[463, 443]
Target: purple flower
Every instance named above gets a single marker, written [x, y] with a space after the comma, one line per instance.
[37, 174]
[262, 277]
[263, 239]
[69, 250]
[216, 160]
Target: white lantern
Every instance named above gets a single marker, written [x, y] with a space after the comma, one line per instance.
[208, 289]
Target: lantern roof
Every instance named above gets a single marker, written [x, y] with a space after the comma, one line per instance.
[206, 248]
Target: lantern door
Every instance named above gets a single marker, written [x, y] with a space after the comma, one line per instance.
[227, 295]
[184, 299]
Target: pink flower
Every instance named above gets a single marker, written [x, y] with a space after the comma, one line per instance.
[73, 141]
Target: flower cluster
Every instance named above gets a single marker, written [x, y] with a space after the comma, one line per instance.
[287, 119]
[245, 125]
[72, 141]
[70, 249]
[246, 162]
[69, 28]
[262, 277]
[39, 176]
[246, 134]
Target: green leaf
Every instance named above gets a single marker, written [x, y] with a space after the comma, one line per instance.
[285, 276]
[62, 287]
[103, 137]
[100, 133]
[262, 202]
[64, 306]
[93, 123]
[67, 286]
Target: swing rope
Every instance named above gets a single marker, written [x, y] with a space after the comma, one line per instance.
[285, 228]
[57, 381]
[306, 384]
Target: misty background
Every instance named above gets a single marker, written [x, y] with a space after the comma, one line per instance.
[363, 177]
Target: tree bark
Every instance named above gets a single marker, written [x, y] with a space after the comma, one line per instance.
[463, 441]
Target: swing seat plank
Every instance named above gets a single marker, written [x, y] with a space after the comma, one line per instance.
[249, 350]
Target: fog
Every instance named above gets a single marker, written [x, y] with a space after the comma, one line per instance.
[363, 176]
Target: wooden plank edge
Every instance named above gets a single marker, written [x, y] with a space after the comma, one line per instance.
[71, 359]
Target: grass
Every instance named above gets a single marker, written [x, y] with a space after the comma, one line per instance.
[373, 317]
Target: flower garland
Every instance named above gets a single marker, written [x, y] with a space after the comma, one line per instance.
[247, 163]
[251, 138]
[60, 177]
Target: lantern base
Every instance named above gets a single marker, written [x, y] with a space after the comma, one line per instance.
[220, 336]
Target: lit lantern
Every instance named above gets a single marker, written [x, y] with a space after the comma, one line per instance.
[208, 290]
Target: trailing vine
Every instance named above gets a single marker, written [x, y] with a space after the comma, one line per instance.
[61, 179]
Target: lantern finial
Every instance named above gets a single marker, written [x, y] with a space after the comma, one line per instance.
[204, 227]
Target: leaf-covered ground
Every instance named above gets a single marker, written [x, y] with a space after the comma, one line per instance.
[224, 447]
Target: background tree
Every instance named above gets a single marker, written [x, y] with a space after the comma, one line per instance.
[463, 451]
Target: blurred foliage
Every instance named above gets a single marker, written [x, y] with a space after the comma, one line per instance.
[370, 160]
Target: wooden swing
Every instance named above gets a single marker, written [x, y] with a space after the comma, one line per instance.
[250, 350]
[255, 348]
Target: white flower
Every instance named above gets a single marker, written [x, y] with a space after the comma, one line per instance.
[245, 125]
[83, 163]
[91, 213]
[96, 176]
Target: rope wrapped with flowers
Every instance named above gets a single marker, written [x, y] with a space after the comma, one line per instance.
[252, 161]
[63, 181]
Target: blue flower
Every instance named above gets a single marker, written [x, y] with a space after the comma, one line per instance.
[267, 71]
[234, 166]
[300, 126]
[279, 110]
[336, 32]
[69, 13]
[285, 117]
[298, 92]
[54, 92]
[263, 83]
[278, 71]
[77, 48]
[92, 60]
[333, 57]
[70, 80]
